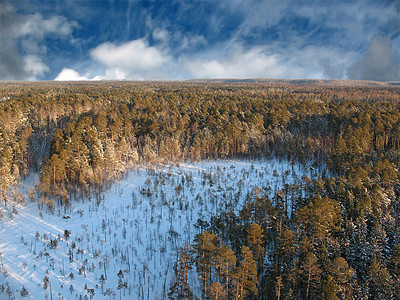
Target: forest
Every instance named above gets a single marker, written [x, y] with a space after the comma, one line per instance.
[332, 236]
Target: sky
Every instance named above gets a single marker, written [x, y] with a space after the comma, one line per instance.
[193, 39]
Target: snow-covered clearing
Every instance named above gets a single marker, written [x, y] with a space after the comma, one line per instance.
[136, 227]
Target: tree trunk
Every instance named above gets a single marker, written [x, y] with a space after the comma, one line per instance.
[308, 281]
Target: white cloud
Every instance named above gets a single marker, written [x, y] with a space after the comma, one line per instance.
[71, 75]
[137, 60]
[241, 64]
[319, 62]
[161, 35]
[34, 66]
[131, 60]
[187, 42]
[311, 41]
[259, 39]
[259, 62]
[22, 40]
[36, 26]
[259, 14]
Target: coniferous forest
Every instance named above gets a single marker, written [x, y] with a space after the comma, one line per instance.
[335, 235]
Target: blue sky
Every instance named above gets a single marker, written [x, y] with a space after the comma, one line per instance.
[127, 39]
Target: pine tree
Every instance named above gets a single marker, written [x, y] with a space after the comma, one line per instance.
[180, 288]
[102, 280]
[205, 246]
[246, 275]
[285, 249]
[342, 275]
[216, 291]
[255, 240]
[24, 292]
[329, 289]
[320, 220]
[54, 177]
[339, 153]
[57, 143]
[284, 264]
[225, 261]
[121, 285]
[311, 274]
[396, 269]
[7, 179]
[379, 281]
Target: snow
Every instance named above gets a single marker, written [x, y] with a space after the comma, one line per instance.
[5, 99]
[136, 227]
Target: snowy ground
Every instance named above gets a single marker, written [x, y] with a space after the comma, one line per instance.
[136, 227]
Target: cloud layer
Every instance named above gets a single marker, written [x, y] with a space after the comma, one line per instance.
[134, 59]
[378, 63]
[199, 39]
[23, 42]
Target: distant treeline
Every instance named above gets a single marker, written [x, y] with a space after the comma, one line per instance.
[81, 136]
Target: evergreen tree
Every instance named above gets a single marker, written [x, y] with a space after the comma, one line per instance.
[216, 291]
[246, 275]
[255, 240]
[311, 275]
[342, 275]
[180, 288]
[206, 246]
[225, 261]
[121, 285]
[329, 289]
[379, 281]
[7, 179]
[285, 248]
[396, 269]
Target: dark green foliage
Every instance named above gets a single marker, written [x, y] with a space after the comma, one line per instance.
[340, 242]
